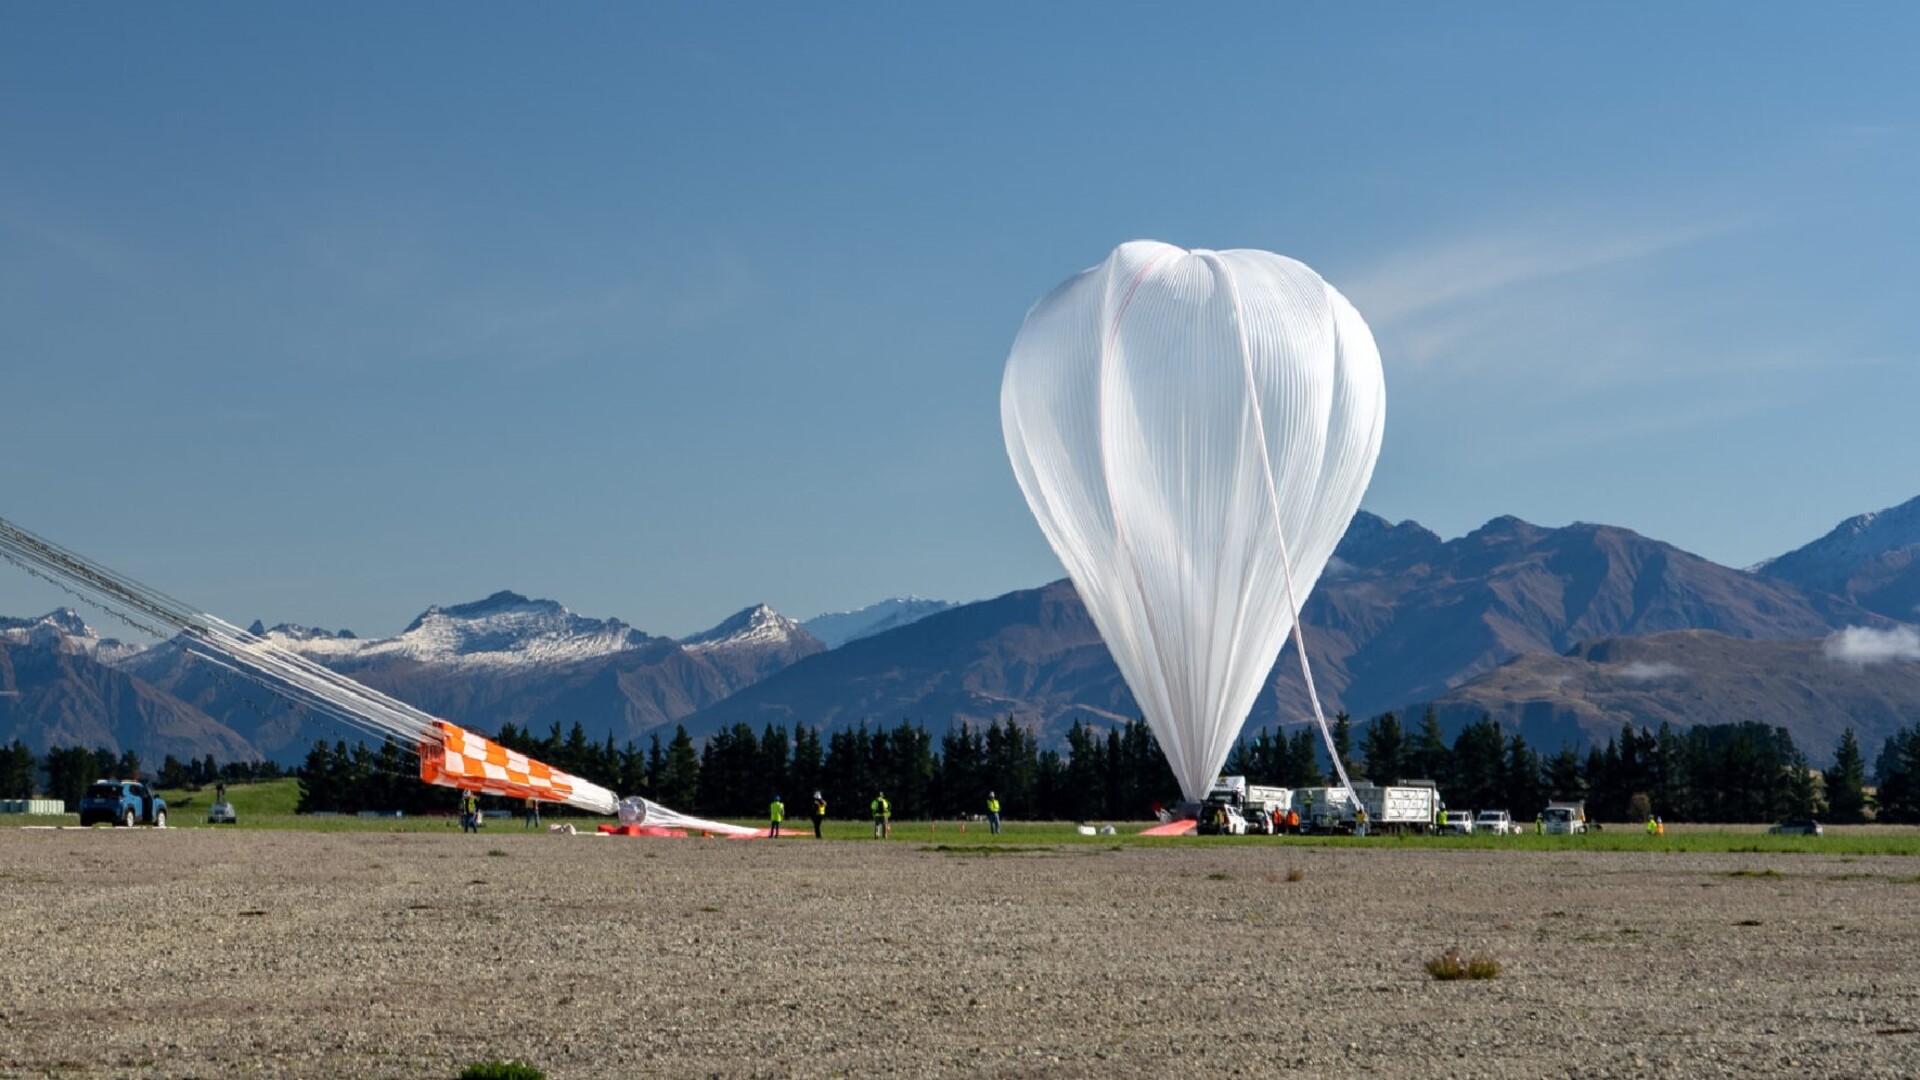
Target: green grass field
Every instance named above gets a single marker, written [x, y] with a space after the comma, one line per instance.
[269, 805]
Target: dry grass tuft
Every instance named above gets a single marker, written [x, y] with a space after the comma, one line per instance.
[1294, 873]
[1451, 965]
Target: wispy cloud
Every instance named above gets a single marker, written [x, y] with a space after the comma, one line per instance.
[1650, 671]
[1421, 280]
[1860, 646]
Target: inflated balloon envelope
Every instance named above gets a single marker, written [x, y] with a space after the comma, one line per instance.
[1193, 431]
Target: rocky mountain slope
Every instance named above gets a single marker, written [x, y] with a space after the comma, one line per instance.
[1402, 616]
[1810, 687]
[1872, 559]
[57, 690]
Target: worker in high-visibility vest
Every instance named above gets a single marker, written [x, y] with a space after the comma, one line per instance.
[470, 812]
[819, 813]
[776, 813]
[882, 816]
[1653, 825]
[993, 813]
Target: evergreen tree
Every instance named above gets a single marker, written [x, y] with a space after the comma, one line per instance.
[1479, 766]
[961, 776]
[1303, 758]
[1562, 774]
[1526, 793]
[656, 766]
[910, 757]
[809, 758]
[1800, 794]
[1085, 794]
[1430, 754]
[17, 767]
[776, 751]
[1342, 730]
[318, 790]
[1847, 781]
[1013, 770]
[1672, 785]
[1898, 772]
[680, 774]
[1385, 748]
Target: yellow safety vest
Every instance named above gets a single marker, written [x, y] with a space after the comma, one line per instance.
[881, 808]
[993, 806]
[778, 811]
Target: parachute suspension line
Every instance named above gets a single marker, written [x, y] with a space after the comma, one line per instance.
[476, 765]
[1279, 532]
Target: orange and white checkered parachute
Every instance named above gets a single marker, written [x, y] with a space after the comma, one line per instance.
[452, 756]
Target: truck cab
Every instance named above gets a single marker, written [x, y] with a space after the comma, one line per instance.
[1497, 822]
[1456, 823]
[122, 802]
[1564, 818]
[1220, 818]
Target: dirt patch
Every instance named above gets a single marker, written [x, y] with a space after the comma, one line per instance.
[200, 952]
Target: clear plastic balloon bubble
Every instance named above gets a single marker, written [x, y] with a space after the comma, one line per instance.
[1193, 431]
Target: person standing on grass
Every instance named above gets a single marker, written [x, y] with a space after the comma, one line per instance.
[533, 813]
[882, 816]
[470, 813]
[819, 813]
[776, 814]
[993, 813]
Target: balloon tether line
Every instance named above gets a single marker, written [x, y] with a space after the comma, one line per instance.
[1280, 533]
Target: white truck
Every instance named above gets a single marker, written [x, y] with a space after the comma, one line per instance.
[1497, 822]
[1564, 818]
[1394, 808]
[1252, 804]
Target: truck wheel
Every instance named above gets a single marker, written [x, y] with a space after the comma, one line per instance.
[129, 819]
[159, 819]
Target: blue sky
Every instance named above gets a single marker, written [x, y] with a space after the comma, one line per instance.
[327, 313]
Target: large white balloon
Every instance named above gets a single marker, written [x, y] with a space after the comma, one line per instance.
[1188, 427]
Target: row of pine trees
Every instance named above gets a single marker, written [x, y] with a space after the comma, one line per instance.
[1709, 773]
[65, 771]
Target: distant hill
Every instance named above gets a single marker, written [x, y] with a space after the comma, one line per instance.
[1481, 623]
[1032, 653]
[1401, 616]
[1409, 617]
[1692, 677]
[837, 628]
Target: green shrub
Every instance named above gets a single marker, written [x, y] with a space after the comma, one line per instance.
[501, 1070]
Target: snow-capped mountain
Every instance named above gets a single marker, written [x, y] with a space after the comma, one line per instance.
[65, 630]
[752, 644]
[57, 689]
[835, 629]
[1872, 559]
[504, 630]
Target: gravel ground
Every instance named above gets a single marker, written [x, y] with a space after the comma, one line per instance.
[192, 952]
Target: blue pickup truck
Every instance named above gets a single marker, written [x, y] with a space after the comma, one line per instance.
[122, 802]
